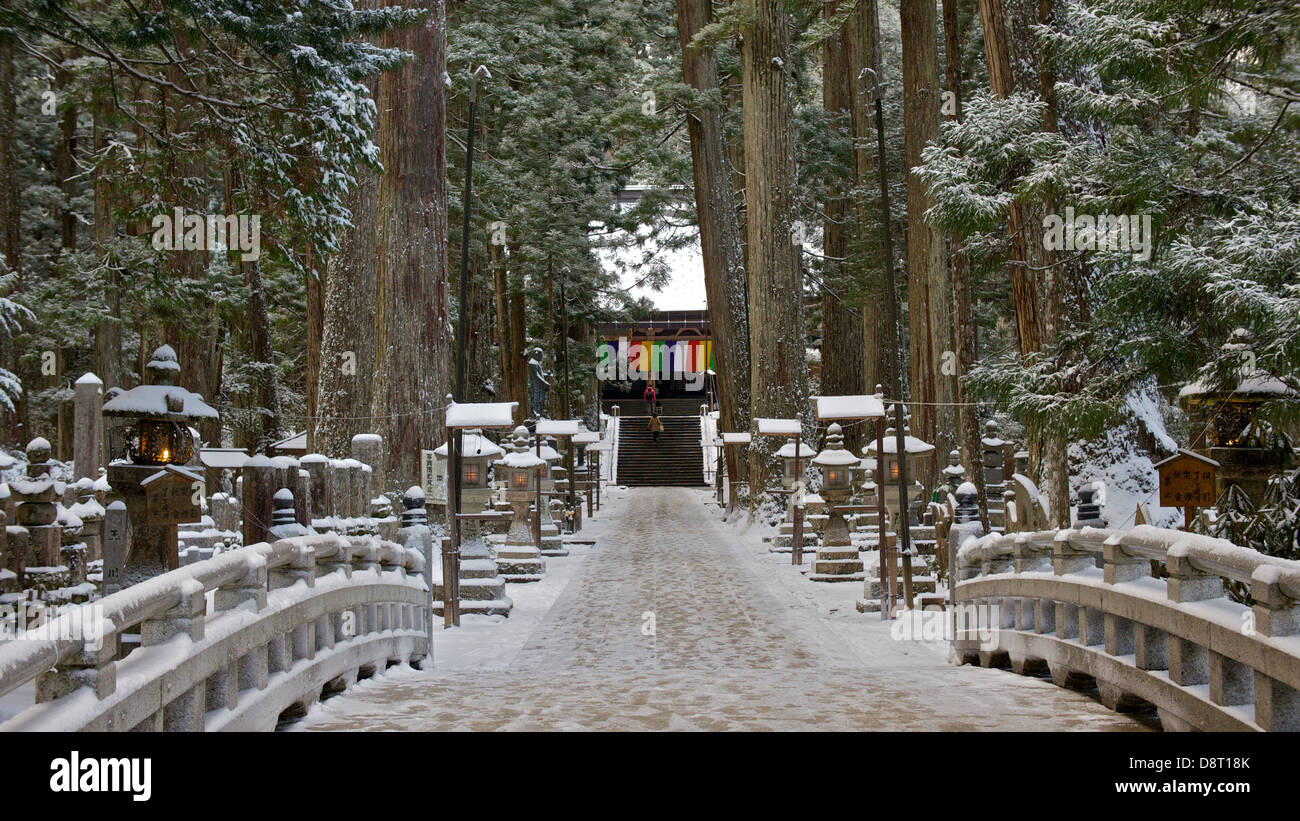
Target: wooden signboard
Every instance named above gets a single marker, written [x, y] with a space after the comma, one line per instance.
[1187, 480]
[170, 499]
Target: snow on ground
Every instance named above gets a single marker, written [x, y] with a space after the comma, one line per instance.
[675, 620]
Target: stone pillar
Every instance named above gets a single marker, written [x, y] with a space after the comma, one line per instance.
[358, 485]
[117, 538]
[302, 498]
[91, 513]
[338, 485]
[36, 508]
[368, 449]
[259, 489]
[318, 472]
[88, 427]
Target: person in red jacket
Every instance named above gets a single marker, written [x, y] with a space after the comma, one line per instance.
[651, 397]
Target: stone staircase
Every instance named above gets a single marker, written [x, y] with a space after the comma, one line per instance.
[676, 460]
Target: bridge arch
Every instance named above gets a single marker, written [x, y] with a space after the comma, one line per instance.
[1143, 613]
[229, 643]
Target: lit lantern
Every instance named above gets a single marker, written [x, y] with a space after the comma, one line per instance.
[159, 442]
[792, 466]
[161, 435]
[477, 455]
[836, 464]
[914, 451]
[1225, 426]
[520, 469]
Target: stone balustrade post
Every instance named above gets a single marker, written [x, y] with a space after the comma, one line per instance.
[94, 667]
[1186, 583]
[365, 556]
[249, 591]
[340, 560]
[1066, 558]
[1189, 662]
[187, 617]
[996, 562]
[1277, 705]
[1028, 558]
[301, 568]
[1118, 566]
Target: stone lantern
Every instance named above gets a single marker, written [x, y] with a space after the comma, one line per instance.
[993, 451]
[792, 467]
[914, 450]
[477, 455]
[954, 474]
[1224, 418]
[36, 540]
[552, 477]
[519, 559]
[837, 559]
[158, 492]
[837, 466]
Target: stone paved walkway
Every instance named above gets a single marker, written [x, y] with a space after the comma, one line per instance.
[732, 649]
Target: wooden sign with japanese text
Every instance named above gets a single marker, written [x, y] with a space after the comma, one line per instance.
[170, 500]
[1187, 480]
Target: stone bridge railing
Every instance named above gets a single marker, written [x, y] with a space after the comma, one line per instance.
[1085, 604]
[229, 643]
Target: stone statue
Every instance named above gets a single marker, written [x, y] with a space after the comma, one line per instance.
[537, 383]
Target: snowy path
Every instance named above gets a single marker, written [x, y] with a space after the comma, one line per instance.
[741, 642]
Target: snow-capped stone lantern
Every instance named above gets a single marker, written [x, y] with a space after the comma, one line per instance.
[792, 462]
[163, 412]
[837, 465]
[477, 456]
[954, 474]
[521, 471]
[1224, 418]
[158, 492]
[914, 450]
[519, 558]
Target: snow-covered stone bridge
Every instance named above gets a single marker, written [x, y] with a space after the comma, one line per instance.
[675, 621]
